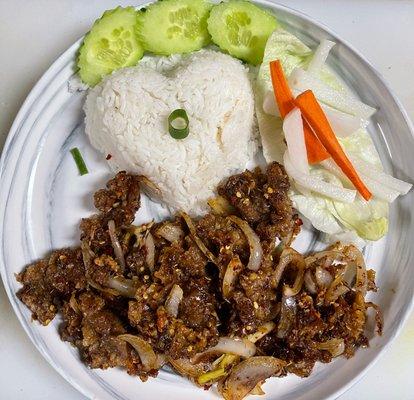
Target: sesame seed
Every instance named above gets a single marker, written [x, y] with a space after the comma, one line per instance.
[266, 196]
[189, 348]
[255, 305]
[269, 190]
[146, 276]
[142, 269]
[238, 194]
[145, 296]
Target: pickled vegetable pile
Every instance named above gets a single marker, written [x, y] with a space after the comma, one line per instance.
[221, 299]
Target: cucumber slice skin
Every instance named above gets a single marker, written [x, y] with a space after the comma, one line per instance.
[242, 29]
[111, 44]
[174, 26]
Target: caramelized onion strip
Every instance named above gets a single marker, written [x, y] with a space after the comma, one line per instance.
[119, 254]
[256, 251]
[245, 376]
[197, 240]
[146, 354]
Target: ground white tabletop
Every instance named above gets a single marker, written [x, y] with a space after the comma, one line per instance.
[33, 34]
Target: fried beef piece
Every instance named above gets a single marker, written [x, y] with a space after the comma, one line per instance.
[182, 341]
[223, 238]
[121, 200]
[48, 281]
[66, 271]
[262, 200]
[254, 300]
[36, 293]
[93, 328]
[99, 299]
[194, 328]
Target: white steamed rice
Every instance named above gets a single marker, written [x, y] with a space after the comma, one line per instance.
[126, 117]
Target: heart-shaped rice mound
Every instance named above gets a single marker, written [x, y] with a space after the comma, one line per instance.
[126, 117]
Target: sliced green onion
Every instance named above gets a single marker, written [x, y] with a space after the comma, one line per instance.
[211, 376]
[77, 156]
[178, 124]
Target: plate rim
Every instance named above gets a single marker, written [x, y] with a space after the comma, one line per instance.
[62, 58]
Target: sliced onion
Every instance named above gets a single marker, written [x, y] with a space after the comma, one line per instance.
[124, 287]
[119, 254]
[295, 139]
[87, 254]
[173, 300]
[256, 252]
[336, 288]
[350, 274]
[245, 376]
[302, 80]
[240, 347]
[230, 276]
[310, 283]
[74, 304]
[287, 256]
[102, 289]
[332, 254]
[287, 316]
[150, 188]
[186, 368]
[161, 361]
[257, 390]
[361, 269]
[318, 185]
[261, 332]
[335, 346]
[170, 232]
[289, 291]
[150, 247]
[319, 58]
[379, 320]
[143, 348]
[323, 277]
[197, 240]
[220, 206]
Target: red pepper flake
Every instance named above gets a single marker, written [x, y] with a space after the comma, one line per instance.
[299, 222]
[109, 156]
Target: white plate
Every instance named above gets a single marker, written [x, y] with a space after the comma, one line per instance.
[42, 199]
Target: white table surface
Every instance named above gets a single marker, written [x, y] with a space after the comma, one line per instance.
[32, 35]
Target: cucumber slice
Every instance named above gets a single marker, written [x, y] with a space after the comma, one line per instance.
[112, 43]
[242, 29]
[174, 26]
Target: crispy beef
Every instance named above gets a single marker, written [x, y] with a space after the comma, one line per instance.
[262, 200]
[100, 299]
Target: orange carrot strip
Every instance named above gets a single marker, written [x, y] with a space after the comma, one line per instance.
[316, 118]
[286, 103]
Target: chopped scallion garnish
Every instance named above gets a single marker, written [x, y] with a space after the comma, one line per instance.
[80, 163]
[178, 124]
